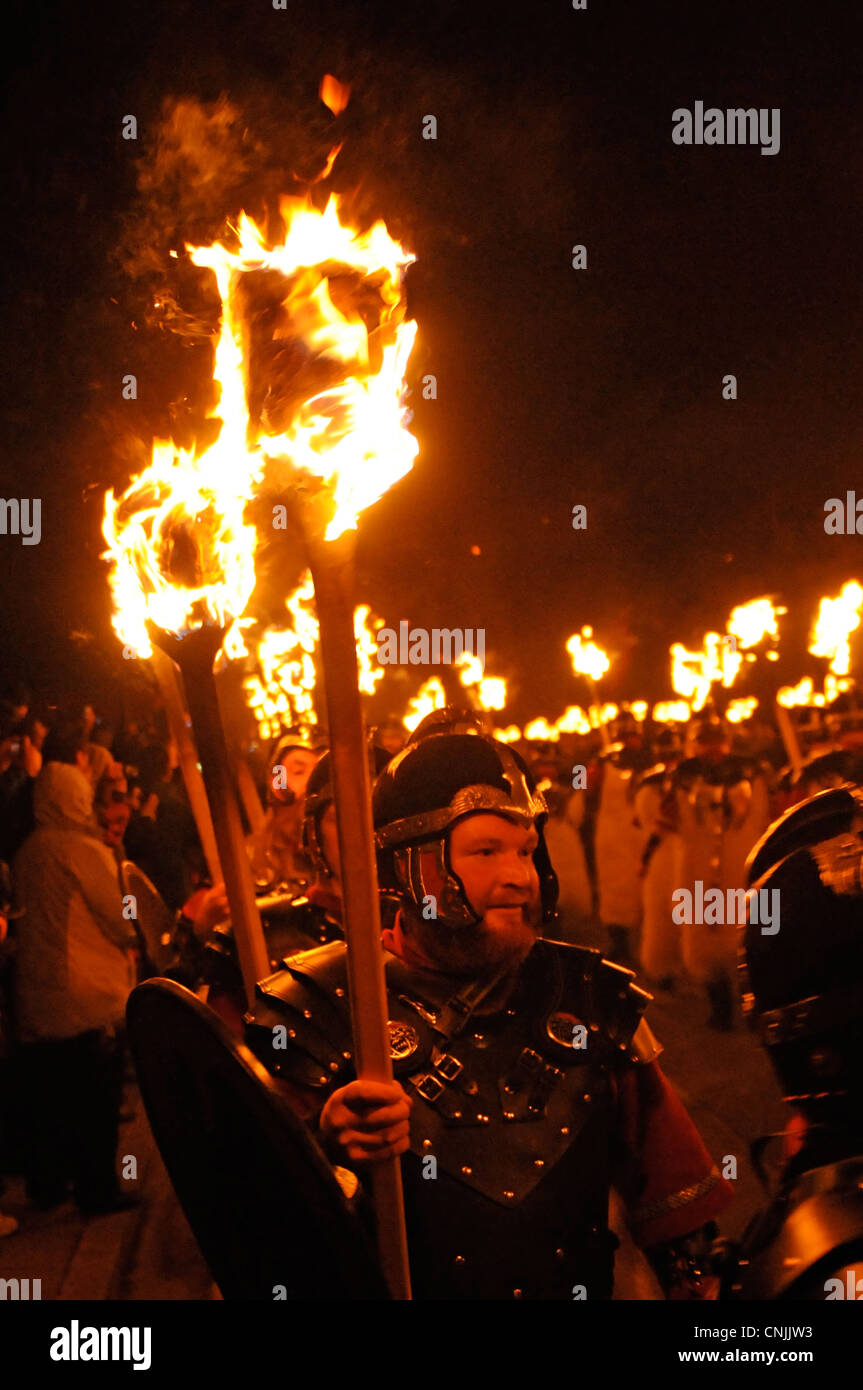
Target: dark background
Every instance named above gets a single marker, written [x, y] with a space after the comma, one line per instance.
[555, 386]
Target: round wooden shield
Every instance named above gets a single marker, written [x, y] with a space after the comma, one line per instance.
[269, 1216]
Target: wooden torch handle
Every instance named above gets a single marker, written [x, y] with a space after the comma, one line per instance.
[331, 566]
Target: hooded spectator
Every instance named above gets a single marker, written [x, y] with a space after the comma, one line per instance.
[73, 975]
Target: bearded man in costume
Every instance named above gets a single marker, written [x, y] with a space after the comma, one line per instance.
[526, 1078]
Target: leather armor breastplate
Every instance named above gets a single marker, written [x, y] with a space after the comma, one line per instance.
[507, 1177]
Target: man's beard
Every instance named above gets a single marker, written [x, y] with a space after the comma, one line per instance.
[476, 950]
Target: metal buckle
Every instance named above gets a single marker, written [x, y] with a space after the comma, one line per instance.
[800, 1018]
[448, 1067]
[429, 1087]
[543, 1088]
[530, 1061]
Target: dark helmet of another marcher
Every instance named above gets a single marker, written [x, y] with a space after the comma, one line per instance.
[625, 729]
[803, 983]
[319, 795]
[830, 769]
[667, 743]
[451, 719]
[298, 740]
[708, 732]
[430, 786]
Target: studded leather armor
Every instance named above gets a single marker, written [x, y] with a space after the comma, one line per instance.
[290, 925]
[512, 1129]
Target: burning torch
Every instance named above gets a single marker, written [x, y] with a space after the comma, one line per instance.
[590, 661]
[333, 441]
[749, 624]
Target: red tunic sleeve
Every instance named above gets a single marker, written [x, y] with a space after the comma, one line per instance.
[667, 1179]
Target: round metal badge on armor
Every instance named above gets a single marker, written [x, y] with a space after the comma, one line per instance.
[404, 1040]
[566, 1029]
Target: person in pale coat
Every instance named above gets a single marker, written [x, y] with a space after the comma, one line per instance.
[723, 809]
[73, 973]
[656, 810]
[619, 845]
[566, 849]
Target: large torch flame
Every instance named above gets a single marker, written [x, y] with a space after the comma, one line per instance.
[181, 550]
[489, 691]
[740, 709]
[351, 434]
[693, 673]
[751, 622]
[837, 619]
[587, 658]
[430, 696]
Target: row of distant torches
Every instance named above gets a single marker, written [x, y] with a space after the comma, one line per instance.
[280, 691]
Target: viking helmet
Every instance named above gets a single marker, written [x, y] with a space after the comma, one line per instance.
[319, 795]
[430, 786]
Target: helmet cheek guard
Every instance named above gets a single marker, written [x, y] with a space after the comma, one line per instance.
[310, 833]
[549, 887]
[423, 873]
[319, 796]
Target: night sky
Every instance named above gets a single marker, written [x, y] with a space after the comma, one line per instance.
[555, 386]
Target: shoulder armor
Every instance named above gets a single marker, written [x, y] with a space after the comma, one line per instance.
[654, 775]
[309, 998]
[688, 769]
[603, 995]
[645, 1047]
